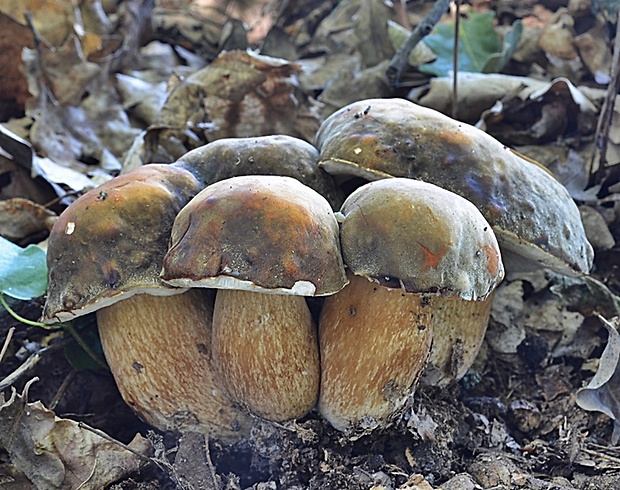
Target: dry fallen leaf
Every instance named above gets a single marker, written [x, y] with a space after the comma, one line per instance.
[602, 394]
[557, 37]
[537, 115]
[356, 26]
[20, 218]
[64, 69]
[595, 52]
[240, 94]
[57, 453]
[506, 330]
[51, 18]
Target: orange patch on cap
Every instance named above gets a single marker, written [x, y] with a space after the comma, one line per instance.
[492, 259]
[454, 137]
[431, 260]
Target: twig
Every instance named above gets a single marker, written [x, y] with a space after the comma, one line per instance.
[423, 29]
[63, 387]
[7, 341]
[604, 121]
[32, 360]
[600, 455]
[15, 375]
[455, 60]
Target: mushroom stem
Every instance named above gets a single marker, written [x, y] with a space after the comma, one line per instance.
[459, 327]
[374, 343]
[266, 351]
[179, 389]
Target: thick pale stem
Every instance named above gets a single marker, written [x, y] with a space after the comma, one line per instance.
[265, 348]
[459, 327]
[374, 343]
[159, 351]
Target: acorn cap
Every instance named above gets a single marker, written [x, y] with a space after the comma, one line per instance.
[263, 233]
[109, 244]
[403, 233]
[264, 155]
[533, 215]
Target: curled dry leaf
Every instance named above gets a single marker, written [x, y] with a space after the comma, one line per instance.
[203, 29]
[59, 453]
[240, 94]
[558, 36]
[602, 394]
[20, 218]
[595, 51]
[64, 70]
[356, 26]
[96, 131]
[17, 181]
[477, 92]
[559, 109]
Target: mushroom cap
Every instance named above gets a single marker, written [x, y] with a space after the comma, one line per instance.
[110, 243]
[266, 233]
[535, 219]
[264, 155]
[419, 237]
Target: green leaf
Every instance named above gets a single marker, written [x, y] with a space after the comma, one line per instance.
[23, 271]
[497, 61]
[479, 48]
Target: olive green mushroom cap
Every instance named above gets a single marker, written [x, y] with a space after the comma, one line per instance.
[266, 233]
[109, 244]
[404, 233]
[264, 155]
[534, 217]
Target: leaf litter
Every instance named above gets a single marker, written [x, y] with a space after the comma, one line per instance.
[100, 89]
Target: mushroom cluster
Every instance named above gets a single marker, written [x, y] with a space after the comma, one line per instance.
[199, 271]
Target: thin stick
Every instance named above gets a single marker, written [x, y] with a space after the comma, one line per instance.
[604, 121]
[15, 375]
[455, 61]
[600, 455]
[7, 341]
[63, 387]
[423, 29]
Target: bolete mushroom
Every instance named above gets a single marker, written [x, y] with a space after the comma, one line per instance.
[536, 222]
[263, 155]
[264, 242]
[105, 254]
[409, 247]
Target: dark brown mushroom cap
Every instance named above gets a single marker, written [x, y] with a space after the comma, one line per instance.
[265, 155]
[110, 242]
[267, 233]
[419, 237]
[533, 215]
